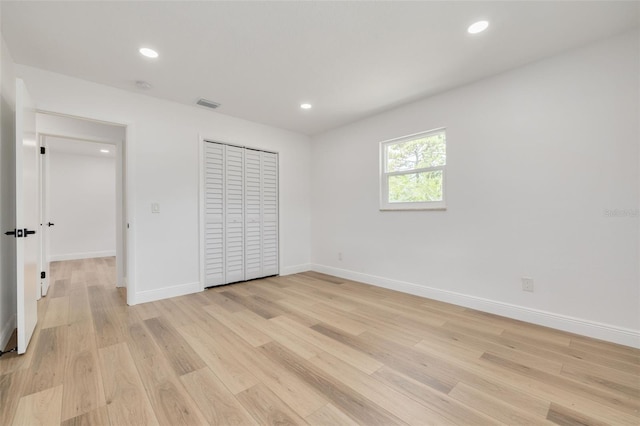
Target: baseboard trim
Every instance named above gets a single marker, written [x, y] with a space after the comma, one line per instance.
[85, 255]
[620, 335]
[167, 292]
[6, 331]
[295, 269]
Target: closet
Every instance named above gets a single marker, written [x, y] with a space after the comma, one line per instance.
[240, 213]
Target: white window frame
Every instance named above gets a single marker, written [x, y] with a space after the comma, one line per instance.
[384, 176]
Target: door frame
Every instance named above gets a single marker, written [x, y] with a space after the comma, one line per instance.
[43, 168]
[125, 238]
[119, 207]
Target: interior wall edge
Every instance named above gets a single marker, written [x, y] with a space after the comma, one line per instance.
[584, 327]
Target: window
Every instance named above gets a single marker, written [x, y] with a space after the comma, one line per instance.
[412, 172]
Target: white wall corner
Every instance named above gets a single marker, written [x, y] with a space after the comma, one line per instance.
[166, 292]
[296, 269]
[6, 331]
[596, 330]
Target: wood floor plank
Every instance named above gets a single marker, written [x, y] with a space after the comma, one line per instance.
[278, 334]
[58, 289]
[331, 298]
[564, 416]
[250, 334]
[444, 408]
[40, 408]
[396, 403]
[47, 369]
[346, 353]
[266, 408]
[263, 289]
[218, 405]
[127, 401]
[629, 406]
[350, 402]
[492, 407]
[612, 353]
[57, 312]
[290, 389]
[96, 417]
[223, 301]
[607, 378]
[329, 415]
[83, 388]
[335, 318]
[79, 308]
[171, 402]
[221, 360]
[182, 357]
[467, 371]
[428, 370]
[589, 356]
[10, 392]
[265, 310]
[147, 310]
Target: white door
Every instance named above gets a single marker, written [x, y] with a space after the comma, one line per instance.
[213, 214]
[27, 215]
[253, 214]
[234, 214]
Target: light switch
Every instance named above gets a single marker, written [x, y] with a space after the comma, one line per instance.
[155, 208]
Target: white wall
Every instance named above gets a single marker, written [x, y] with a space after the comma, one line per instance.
[7, 194]
[60, 125]
[535, 158]
[163, 167]
[82, 194]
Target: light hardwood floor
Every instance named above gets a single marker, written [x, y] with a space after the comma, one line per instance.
[305, 348]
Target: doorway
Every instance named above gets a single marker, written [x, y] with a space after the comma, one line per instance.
[83, 193]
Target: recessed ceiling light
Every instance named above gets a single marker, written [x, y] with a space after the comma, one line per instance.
[305, 106]
[104, 151]
[478, 27]
[149, 53]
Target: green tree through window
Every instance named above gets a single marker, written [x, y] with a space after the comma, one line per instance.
[414, 171]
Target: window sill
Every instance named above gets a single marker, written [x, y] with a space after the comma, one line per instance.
[411, 206]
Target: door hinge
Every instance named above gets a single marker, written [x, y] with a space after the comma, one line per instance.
[42, 150]
[43, 275]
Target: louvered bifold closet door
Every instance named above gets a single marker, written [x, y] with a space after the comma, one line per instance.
[234, 212]
[253, 214]
[269, 180]
[214, 214]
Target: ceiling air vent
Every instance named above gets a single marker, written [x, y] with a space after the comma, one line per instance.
[207, 104]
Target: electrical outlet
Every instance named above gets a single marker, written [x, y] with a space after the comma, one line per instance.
[340, 256]
[527, 284]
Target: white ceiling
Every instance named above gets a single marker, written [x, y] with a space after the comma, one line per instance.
[260, 60]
